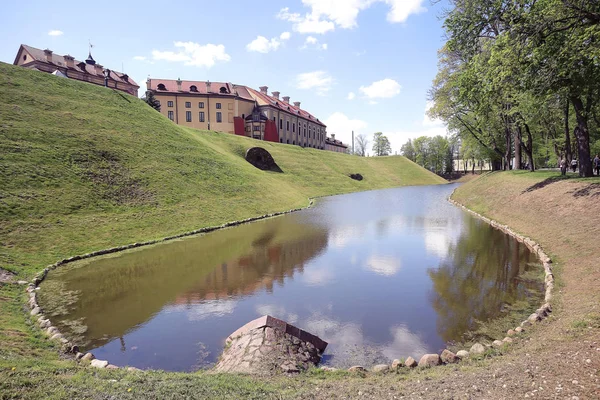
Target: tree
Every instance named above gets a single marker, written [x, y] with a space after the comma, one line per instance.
[381, 144]
[151, 100]
[361, 142]
[408, 151]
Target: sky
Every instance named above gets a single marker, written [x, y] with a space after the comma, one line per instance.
[362, 65]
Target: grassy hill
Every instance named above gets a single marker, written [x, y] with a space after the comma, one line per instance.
[84, 167]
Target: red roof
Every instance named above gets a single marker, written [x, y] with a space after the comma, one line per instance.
[288, 107]
[59, 61]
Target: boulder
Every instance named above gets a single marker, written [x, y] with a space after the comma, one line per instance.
[411, 362]
[477, 348]
[36, 311]
[497, 343]
[357, 368]
[51, 330]
[511, 332]
[78, 356]
[518, 329]
[261, 159]
[507, 340]
[448, 357]
[534, 318]
[381, 368]
[88, 357]
[396, 364]
[57, 336]
[430, 360]
[462, 354]
[110, 366]
[99, 363]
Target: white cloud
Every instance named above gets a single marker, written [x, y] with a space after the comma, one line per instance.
[319, 80]
[276, 311]
[382, 89]
[55, 32]
[385, 266]
[351, 96]
[312, 41]
[398, 138]
[139, 58]
[428, 122]
[342, 126]
[194, 54]
[325, 15]
[263, 45]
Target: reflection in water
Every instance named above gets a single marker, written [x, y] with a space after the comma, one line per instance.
[379, 275]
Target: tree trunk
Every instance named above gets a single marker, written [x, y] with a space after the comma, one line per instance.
[517, 140]
[582, 134]
[529, 148]
[568, 150]
[507, 136]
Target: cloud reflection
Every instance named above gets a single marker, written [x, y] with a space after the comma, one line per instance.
[383, 265]
[206, 309]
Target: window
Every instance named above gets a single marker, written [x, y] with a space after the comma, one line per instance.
[218, 106]
[293, 127]
[280, 140]
[188, 104]
[170, 114]
[161, 86]
[169, 104]
[287, 126]
[223, 89]
[256, 128]
[201, 104]
[219, 116]
[201, 116]
[188, 116]
[281, 124]
[288, 141]
[193, 88]
[304, 130]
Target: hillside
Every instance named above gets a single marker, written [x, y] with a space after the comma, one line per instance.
[84, 167]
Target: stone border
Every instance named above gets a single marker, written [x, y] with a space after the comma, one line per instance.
[54, 334]
[448, 357]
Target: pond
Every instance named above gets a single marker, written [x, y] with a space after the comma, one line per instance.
[379, 275]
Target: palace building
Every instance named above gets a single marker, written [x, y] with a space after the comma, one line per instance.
[240, 110]
[68, 67]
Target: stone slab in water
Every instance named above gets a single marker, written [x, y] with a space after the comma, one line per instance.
[269, 345]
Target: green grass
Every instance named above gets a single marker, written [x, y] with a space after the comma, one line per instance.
[84, 168]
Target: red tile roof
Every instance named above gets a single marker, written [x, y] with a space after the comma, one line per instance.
[59, 61]
[288, 107]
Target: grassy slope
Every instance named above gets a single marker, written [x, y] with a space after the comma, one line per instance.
[84, 168]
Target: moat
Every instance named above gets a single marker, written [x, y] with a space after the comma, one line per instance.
[379, 275]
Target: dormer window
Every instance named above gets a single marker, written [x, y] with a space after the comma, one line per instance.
[161, 86]
[223, 90]
[193, 88]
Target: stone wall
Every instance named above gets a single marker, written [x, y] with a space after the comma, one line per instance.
[268, 346]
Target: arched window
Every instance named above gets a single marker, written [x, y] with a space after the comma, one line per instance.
[223, 89]
[161, 87]
[243, 116]
[193, 88]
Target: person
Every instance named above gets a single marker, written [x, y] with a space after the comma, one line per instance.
[563, 166]
[574, 165]
[597, 164]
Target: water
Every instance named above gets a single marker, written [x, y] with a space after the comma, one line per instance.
[379, 275]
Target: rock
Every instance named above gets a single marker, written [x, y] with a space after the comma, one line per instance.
[134, 369]
[507, 340]
[357, 368]
[518, 329]
[110, 366]
[511, 332]
[525, 323]
[88, 357]
[462, 354]
[51, 330]
[448, 357]
[36, 311]
[78, 356]
[430, 360]
[411, 362]
[261, 159]
[477, 348]
[534, 318]
[57, 336]
[356, 177]
[22, 283]
[396, 364]
[74, 349]
[45, 324]
[99, 363]
[381, 368]
[497, 343]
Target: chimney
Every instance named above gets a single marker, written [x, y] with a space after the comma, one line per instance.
[263, 89]
[70, 61]
[207, 86]
[48, 54]
[286, 99]
[297, 104]
[276, 94]
[333, 136]
[148, 84]
[178, 84]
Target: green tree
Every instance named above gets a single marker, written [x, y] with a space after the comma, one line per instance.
[381, 144]
[408, 151]
[151, 100]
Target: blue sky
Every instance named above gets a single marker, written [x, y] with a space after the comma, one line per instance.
[356, 64]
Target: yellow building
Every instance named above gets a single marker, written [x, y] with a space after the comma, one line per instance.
[68, 67]
[238, 109]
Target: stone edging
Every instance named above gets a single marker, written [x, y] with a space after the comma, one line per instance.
[54, 334]
[448, 357]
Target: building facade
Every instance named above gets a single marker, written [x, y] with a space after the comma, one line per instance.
[239, 110]
[332, 144]
[66, 66]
